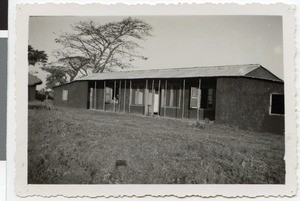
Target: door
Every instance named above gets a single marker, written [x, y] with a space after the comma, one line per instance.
[156, 102]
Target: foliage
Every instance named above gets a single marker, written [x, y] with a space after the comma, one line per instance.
[44, 94]
[36, 56]
[57, 76]
[75, 65]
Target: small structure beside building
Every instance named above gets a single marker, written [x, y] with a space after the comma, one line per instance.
[247, 96]
[33, 81]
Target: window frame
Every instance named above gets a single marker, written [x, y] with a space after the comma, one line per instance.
[270, 105]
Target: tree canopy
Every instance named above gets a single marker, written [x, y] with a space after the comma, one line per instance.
[36, 56]
[57, 76]
[103, 47]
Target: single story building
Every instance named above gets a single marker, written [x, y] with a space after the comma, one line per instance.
[246, 96]
[32, 82]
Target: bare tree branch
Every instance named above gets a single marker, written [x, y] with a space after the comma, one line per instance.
[102, 47]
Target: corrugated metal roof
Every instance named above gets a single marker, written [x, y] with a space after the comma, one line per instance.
[212, 71]
[33, 80]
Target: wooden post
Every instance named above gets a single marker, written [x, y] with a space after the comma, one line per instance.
[104, 94]
[183, 98]
[159, 97]
[130, 95]
[119, 98]
[199, 98]
[115, 88]
[91, 97]
[214, 98]
[179, 103]
[153, 93]
[165, 99]
[146, 99]
[124, 105]
[95, 96]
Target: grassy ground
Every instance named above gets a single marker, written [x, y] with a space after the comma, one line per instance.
[74, 146]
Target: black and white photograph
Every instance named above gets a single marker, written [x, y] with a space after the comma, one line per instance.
[156, 100]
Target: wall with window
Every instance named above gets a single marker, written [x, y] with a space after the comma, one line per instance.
[207, 98]
[183, 103]
[111, 96]
[72, 95]
[250, 104]
[170, 100]
[114, 95]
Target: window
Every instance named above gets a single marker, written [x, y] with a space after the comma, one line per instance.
[194, 97]
[65, 95]
[277, 104]
[138, 95]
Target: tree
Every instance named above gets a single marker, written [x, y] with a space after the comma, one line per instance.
[36, 60]
[102, 47]
[65, 69]
[36, 56]
[75, 65]
[57, 76]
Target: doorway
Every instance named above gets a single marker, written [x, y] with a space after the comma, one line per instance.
[156, 102]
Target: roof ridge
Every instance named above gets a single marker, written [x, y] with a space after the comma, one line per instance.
[240, 70]
[185, 68]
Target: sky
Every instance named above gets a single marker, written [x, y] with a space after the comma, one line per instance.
[186, 41]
